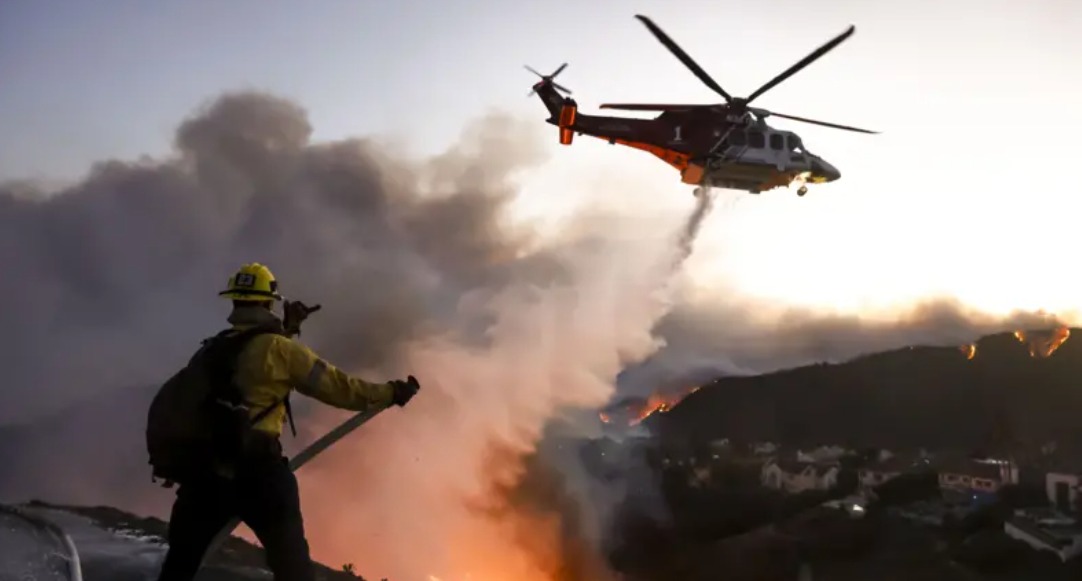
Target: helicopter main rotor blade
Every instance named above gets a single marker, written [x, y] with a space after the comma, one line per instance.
[683, 56]
[648, 107]
[815, 55]
[823, 123]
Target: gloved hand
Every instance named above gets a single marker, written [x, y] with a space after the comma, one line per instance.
[404, 390]
[294, 313]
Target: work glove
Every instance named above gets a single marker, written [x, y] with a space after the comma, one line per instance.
[294, 313]
[404, 390]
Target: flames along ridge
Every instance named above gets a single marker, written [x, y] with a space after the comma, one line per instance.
[656, 403]
[1040, 345]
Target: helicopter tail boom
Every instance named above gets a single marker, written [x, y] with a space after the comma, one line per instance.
[563, 111]
[552, 100]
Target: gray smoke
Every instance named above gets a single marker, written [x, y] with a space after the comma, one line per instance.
[112, 282]
[707, 339]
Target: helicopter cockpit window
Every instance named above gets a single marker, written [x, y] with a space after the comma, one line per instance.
[738, 138]
[756, 139]
[795, 144]
[777, 141]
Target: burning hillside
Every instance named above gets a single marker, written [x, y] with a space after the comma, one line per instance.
[631, 412]
[1041, 344]
[908, 397]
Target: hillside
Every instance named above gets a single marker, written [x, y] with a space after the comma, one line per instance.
[910, 397]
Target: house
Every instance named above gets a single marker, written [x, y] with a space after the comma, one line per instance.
[972, 475]
[1055, 534]
[1008, 469]
[877, 473]
[1063, 487]
[793, 477]
[822, 454]
[764, 448]
[720, 444]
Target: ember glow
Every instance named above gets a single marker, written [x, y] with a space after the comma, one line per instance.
[970, 351]
[1043, 344]
[657, 402]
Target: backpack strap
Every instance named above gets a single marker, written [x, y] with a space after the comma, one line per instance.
[289, 414]
[237, 341]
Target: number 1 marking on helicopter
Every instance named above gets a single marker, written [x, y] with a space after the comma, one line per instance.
[677, 137]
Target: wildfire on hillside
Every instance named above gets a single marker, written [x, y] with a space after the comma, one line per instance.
[638, 410]
[1040, 344]
[1043, 344]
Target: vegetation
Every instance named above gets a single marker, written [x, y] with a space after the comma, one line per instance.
[903, 399]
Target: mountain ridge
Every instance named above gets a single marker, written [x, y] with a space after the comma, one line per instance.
[907, 397]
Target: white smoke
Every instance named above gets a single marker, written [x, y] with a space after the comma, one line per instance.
[551, 348]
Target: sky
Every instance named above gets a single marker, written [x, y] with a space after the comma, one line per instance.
[968, 192]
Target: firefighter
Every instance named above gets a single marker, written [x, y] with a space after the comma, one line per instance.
[260, 489]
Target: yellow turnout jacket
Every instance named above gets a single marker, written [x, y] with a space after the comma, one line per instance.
[271, 365]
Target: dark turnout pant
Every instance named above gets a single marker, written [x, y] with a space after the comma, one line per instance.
[264, 495]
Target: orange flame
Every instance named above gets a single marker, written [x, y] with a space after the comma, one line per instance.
[1043, 345]
[657, 402]
[970, 351]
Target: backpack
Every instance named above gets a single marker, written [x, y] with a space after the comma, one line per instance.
[198, 422]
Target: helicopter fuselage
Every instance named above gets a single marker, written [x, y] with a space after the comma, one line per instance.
[709, 147]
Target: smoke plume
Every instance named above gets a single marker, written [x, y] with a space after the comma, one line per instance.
[113, 282]
[709, 337]
[552, 346]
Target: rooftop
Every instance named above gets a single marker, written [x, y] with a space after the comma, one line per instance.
[1056, 535]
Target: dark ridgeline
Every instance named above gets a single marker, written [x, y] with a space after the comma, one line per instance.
[931, 397]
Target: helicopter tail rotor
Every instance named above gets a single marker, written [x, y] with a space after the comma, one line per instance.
[547, 79]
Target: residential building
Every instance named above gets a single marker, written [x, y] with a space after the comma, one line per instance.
[822, 454]
[794, 477]
[1055, 534]
[972, 475]
[1063, 487]
[764, 448]
[877, 473]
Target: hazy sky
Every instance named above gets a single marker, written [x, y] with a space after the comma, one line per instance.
[969, 192]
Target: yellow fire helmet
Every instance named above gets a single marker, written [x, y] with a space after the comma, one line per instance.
[253, 282]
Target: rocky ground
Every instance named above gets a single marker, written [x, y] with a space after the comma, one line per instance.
[114, 545]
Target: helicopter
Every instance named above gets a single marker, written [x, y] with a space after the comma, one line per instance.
[723, 145]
